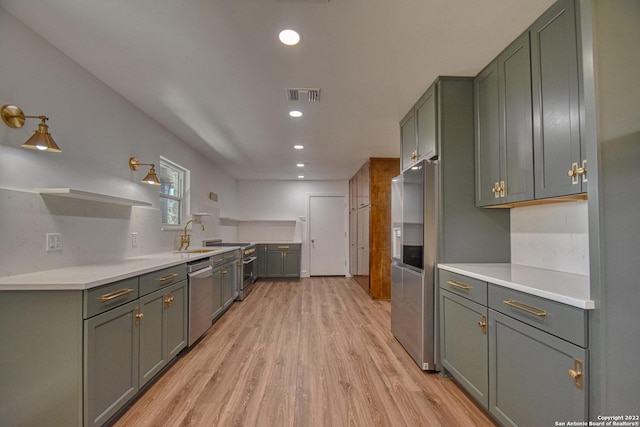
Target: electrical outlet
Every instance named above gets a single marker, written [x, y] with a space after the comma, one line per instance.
[134, 239]
[54, 242]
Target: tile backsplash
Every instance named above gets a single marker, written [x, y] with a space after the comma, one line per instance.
[553, 236]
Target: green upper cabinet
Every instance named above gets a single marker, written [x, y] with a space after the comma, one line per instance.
[418, 130]
[527, 113]
[408, 140]
[560, 159]
[487, 135]
[504, 137]
[426, 131]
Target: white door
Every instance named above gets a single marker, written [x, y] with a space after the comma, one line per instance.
[327, 236]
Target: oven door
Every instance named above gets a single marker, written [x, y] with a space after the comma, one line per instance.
[249, 272]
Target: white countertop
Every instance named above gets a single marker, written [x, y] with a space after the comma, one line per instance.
[89, 276]
[567, 288]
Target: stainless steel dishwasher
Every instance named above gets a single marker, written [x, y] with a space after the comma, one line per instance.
[200, 297]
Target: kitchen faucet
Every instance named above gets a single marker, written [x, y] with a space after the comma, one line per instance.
[185, 239]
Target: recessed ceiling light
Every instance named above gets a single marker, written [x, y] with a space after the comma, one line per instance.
[295, 113]
[300, 165]
[300, 176]
[298, 147]
[289, 37]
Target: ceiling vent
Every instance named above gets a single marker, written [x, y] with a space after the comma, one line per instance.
[303, 94]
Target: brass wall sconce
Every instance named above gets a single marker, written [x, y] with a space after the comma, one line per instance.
[41, 140]
[151, 178]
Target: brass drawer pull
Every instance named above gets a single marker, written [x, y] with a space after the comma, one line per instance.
[459, 285]
[116, 294]
[283, 247]
[167, 277]
[138, 316]
[525, 307]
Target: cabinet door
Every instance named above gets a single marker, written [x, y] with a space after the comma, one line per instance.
[353, 193]
[274, 263]
[556, 108]
[529, 375]
[353, 243]
[111, 350]
[363, 241]
[176, 326]
[291, 263]
[426, 124]
[464, 345]
[408, 140]
[152, 337]
[487, 136]
[261, 253]
[228, 279]
[516, 147]
[218, 304]
[363, 185]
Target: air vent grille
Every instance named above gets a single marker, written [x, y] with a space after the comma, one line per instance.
[303, 94]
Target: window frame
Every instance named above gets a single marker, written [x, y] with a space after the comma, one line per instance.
[183, 201]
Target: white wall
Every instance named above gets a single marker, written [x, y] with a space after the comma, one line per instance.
[98, 130]
[268, 203]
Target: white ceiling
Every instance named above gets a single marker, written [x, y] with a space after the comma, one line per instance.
[214, 73]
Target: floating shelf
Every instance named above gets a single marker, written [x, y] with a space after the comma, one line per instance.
[235, 221]
[89, 196]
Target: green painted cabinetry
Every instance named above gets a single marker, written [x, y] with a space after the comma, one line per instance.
[418, 130]
[527, 116]
[283, 260]
[504, 138]
[261, 253]
[558, 146]
[111, 356]
[163, 328]
[523, 357]
[463, 339]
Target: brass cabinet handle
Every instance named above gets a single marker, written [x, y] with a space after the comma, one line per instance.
[283, 247]
[459, 285]
[168, 300]
[496, 190]
[116, 294]
[575, 172]
[167, 277]
[526, 307]
[502, 188]
[224, 272]
[138, 316]
[576, 373]
[482, 324]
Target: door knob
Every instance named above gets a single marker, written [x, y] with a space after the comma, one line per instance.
[313, 240]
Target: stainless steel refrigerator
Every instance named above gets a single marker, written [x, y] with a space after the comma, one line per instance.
[414, 299]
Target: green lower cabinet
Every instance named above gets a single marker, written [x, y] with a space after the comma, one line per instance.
[218, 304]
[464, 344]
[229, 283]
[163, 328]
[531, 375]
[283, 260]
[111, 348]
[261, 253]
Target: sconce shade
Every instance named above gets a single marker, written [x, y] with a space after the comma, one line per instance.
[151, 178]
[42, 140]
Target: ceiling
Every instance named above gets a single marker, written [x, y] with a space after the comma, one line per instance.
[214, 73]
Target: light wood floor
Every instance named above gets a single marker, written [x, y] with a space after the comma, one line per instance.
[315, 352]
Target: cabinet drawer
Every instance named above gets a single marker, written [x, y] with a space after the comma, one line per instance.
[561, 320]
[159, 279]
[225, 258]
[468, 287]
[284, 247]
[103, 298]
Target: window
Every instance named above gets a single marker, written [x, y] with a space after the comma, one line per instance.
[173, 188]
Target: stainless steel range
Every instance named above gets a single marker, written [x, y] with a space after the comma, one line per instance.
[249, 263]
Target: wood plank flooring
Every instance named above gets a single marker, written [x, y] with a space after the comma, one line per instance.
[314, 352]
